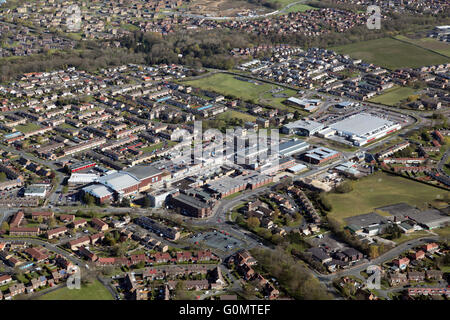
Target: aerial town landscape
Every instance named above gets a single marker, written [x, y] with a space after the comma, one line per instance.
[224, 150]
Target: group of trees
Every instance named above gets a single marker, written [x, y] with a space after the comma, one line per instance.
[393, 232]
[90, 58]
[205, 48]
[291, 274]
[373, 250]
[345, 187]
[321, 201]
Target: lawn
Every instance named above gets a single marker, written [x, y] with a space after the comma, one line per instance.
[93, 291]
[157, 146]
[391, 53]
[443, 232]
[300, 8]
[28, 127]
[227, 84]
[415, 235]
[429, 43]
[379, 190]
[235, 114]
[393, 96]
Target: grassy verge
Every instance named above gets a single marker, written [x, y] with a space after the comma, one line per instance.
[93, 291]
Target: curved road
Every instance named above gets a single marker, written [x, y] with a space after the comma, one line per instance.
[442, 163]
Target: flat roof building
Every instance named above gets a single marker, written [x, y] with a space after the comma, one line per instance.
[123, 183]
[100, 192]
[191, 206]
[291, 147]
[82, 178]
[302, 127]
[363, 128]
[168, 232]
[320, 155]
[147, 175]
[431, 219]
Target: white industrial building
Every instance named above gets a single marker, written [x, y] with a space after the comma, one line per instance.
[363, 128]
[83, 178]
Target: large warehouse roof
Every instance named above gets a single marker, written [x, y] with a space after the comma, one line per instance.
[143, 172]
[431, 218]
[361, 124]
[119, 181]
[98, 190]
[292, 146]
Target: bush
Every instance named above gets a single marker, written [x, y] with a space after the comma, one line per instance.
[345, 187]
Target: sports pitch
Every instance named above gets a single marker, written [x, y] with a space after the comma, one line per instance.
[381, 189]
[392, 53]
[393, 96]
[227, 84]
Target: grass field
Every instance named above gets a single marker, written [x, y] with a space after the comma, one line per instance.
[94, 291]
[227, 84]
[407, 237]
[28, 127]
[157, 146]
[443, 232]
[429, 43]
[235, 114]
[300, 8]
[379, 190]
[391, 53]
[393, 96]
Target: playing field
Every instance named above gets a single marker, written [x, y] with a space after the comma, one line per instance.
[429, 43]
[94, 291]
[391, 53]
[393, 96]
[227, 84]
[379, 190]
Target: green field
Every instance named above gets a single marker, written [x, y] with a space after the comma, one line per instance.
[28, 127]
[379, 190]
[93, 291]
[391, 53]
[229, 114]
[227, 84]
[158, 146]
[393, 96]
[300, 8]
[295, 8]
[429, 43]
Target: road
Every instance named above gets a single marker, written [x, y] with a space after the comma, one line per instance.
[442, 162]
[50, 247]
[51, 196]
[391, 254]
